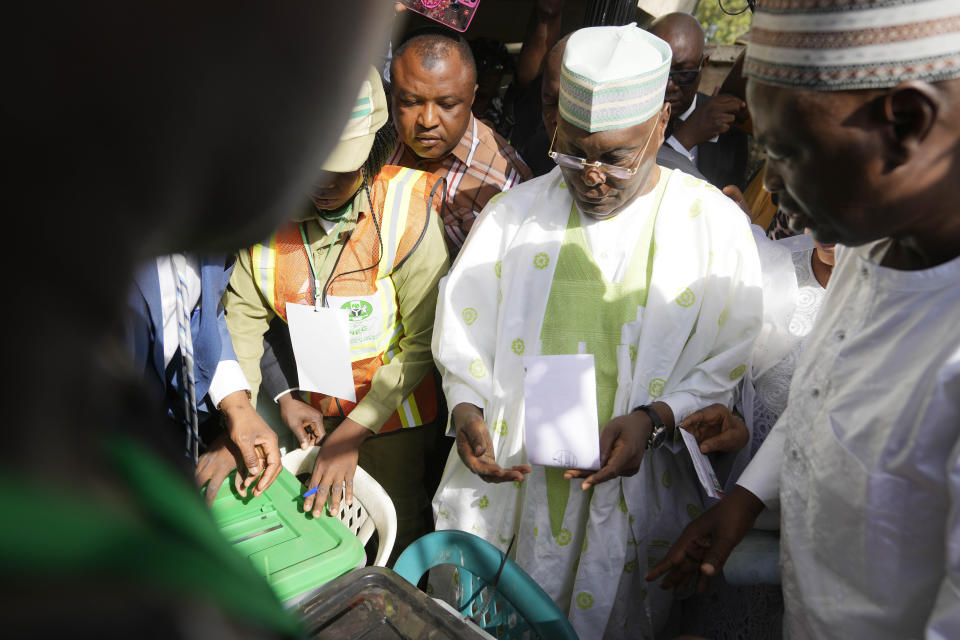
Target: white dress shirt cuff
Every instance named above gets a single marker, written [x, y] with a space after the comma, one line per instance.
[762, 475]
[226, 379]
[681, 404]
[277, 397]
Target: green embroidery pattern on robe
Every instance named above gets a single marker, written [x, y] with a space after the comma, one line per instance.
[584, 307]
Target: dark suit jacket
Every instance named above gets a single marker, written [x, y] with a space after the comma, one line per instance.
[208, 325]
[670, 158]
[725, 161]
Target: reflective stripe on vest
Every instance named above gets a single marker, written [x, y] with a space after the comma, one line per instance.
[286, 245]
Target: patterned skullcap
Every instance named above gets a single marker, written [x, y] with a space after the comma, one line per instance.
[613, 77]
[839, 45]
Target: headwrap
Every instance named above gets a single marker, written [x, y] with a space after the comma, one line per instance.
[613, 77]
[840, 45]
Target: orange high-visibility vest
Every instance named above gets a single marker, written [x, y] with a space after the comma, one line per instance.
[361, 283]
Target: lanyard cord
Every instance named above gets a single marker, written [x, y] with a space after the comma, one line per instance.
[376, 226]
[313, 269]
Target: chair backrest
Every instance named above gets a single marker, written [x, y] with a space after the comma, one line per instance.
[372, 510]
[515, 608]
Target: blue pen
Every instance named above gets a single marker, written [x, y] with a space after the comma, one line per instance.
[310, 492]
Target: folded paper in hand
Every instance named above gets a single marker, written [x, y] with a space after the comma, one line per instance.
[560, 405]
[701, 464]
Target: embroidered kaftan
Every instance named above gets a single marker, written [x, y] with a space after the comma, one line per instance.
[688, 347]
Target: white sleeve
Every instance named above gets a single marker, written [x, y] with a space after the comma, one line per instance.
[227, 378]
[718, 350]
[465, 330]
[762, 475]
[944, 621]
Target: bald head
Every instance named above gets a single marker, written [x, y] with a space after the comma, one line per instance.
[433, 86]
[686, 39]
[677, 27]
[432, 47]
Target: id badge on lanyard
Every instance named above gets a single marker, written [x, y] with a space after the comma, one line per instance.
[320, 337]
[321, 348]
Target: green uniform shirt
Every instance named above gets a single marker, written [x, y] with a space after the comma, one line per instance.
[249, 314]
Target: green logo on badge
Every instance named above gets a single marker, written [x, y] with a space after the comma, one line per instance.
[359, 309]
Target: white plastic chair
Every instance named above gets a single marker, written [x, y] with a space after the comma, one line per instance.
[372, 509]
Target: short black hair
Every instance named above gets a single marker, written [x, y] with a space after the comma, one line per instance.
[432, 43]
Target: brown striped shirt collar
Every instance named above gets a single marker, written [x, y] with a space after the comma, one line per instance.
[479, 167]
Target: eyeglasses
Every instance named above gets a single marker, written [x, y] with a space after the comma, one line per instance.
[576, 162]
[684, 77]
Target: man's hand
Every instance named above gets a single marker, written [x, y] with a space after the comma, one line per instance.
[304, 419]
[709, 119]
[706, 543]
[733, 192]
[622, 443]
[215, 465]
[255, 443]
[716, 428]
[335, 466]
[475, 446]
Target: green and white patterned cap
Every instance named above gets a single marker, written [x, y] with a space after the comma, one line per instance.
[843, 45]
[368, 115]
[613, 77]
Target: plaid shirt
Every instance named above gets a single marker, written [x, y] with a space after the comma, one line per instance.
[479, 167]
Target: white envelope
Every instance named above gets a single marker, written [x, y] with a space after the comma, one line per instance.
[560, 406]
[321, 347]
[701, 464]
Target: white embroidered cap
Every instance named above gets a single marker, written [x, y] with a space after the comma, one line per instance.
[613, 77]
[840, 45]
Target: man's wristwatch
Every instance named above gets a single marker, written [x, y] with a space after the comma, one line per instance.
[659, 434]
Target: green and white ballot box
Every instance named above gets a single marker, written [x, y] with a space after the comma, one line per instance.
[294, 551]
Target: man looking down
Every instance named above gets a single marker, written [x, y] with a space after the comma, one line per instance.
[653, 272]
[433, 84]
[861, 126]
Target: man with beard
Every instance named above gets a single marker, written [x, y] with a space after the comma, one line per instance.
[858, 108]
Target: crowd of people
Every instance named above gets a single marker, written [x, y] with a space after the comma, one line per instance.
[599, 204]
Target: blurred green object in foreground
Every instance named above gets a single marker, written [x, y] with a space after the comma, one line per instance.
[146, 530]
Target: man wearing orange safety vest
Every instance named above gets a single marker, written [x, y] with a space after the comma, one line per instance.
[370, 242]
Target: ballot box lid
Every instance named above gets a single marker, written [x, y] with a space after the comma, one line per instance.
[294, 551]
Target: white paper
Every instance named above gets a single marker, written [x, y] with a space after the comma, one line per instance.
[560, 405]
[701, 464]
[321, 347]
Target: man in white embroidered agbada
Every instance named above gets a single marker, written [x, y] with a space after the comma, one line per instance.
[653, 272]
[858, 107]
